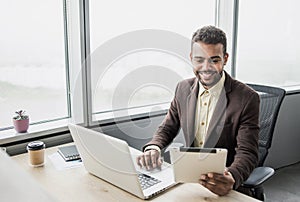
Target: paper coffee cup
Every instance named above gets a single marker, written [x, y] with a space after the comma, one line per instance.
[36, 152]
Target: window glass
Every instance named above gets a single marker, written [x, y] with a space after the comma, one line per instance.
[32, 62]
[268, 44]
[140, 49]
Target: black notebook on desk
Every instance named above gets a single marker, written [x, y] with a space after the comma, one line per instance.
[69, 153]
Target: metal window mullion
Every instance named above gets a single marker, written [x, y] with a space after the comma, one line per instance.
[217, 13]
[234, 36]
[85, 63]
[67, 62]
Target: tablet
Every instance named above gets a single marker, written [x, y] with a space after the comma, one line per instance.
[189, 163]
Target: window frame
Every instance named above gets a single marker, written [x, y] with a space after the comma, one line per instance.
[107, 118]
[52, 126]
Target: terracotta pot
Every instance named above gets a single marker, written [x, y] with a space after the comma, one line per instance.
[21, 126]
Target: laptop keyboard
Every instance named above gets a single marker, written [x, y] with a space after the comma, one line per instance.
[147, 181]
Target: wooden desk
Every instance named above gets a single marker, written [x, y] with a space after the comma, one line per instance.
[76, 184]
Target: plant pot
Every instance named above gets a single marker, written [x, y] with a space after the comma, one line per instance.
[21, 126]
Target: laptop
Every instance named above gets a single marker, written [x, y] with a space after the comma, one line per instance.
[112, 160]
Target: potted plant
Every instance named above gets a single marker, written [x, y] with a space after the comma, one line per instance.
[21, 121]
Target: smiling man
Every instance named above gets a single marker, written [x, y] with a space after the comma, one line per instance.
[213, 110]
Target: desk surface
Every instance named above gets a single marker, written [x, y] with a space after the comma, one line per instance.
[76, 184]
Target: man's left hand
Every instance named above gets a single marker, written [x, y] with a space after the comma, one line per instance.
[220, 184]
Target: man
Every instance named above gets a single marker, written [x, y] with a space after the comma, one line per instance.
[213, 110]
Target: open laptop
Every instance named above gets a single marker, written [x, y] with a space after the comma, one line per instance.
[112, 160]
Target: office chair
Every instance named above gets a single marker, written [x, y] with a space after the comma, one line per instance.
[270, 102]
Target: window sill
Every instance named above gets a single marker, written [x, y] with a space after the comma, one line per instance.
[291, 89]
[34, 131]
[39, 131]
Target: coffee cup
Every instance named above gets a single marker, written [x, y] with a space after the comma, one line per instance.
[36, 152]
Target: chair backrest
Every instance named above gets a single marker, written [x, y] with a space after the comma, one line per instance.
[270, 102]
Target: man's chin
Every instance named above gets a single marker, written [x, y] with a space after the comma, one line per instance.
[208, 84]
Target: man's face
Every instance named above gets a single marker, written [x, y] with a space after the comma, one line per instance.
[208, 61]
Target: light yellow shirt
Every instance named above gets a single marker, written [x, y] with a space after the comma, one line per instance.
[206, 104]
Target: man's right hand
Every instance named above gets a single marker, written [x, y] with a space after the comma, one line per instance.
[150, 159]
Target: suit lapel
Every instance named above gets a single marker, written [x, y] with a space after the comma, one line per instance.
[191, 110]
[212, 139]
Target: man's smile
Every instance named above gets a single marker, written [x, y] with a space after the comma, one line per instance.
[206, 74]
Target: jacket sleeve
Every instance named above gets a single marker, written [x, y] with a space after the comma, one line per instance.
[246, 157]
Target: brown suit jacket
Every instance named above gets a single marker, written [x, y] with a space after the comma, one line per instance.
[234, 124]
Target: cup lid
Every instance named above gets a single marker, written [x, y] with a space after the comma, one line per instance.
[36, 145]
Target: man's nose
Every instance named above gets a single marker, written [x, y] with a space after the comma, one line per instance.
[206, 64]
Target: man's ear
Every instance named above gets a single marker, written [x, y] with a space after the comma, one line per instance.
[191, 56]
[226, 58]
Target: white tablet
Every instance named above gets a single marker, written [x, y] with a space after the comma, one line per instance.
[190, 163]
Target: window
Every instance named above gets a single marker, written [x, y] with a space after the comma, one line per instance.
[268, 44]
[139, 50]
[137, 55]
[32, 63]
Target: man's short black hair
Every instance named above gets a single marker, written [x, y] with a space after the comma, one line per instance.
[210, 35]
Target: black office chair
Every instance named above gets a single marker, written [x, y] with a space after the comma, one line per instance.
[270, 102]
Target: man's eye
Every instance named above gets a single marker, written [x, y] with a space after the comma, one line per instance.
[199, 60]
[211, 61]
